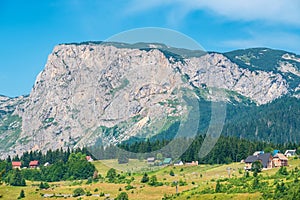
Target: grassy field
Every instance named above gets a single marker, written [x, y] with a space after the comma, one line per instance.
[197, 177]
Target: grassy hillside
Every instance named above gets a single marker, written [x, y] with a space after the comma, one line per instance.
[195, 180]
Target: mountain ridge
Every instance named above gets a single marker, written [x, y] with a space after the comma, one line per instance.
[97, 91]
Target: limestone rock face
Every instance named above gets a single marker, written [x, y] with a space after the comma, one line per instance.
[101, 93]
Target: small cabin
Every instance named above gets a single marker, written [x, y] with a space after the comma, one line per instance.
[16, 164]
[34, 164]
[89, 158]
[178, 163]
[167, 161]
[290, 153]
[150, 160]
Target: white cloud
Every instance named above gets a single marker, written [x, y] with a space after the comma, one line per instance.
[274, 11]
[284, 41]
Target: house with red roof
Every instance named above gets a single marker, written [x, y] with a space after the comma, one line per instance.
[89, 158]
[34, 164]
[16, 164]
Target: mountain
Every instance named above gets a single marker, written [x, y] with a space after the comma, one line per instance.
[106, 93]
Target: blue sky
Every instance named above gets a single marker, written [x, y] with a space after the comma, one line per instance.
[30, 29]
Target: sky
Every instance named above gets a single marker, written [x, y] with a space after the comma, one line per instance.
[30, 29]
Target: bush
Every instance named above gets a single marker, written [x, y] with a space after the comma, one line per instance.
[44, 185]
[89, 181]
[172, 173]
[88, 193]
[145, 178]
[78, 192]
[256, 166]
[218, 187]
[282, 171]
[122, 196]
[111, 175]
[22, 194]
[129, 187]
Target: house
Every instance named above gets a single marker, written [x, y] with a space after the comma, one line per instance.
[34, 164]
[151, 160]
[193, 163]
[89, 158]
[280, 160]
[46, 164]
[167, 161]
[258, 153]
[178, 163]
[16, 164]
[289, 153]
[266, 160]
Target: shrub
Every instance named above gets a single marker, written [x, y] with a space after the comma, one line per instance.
[22, 195]
[111, 175]
[122, 196]
[145, 178]
[88, 193]
[129, 187]
[89, 181]
[282, 171]
[44, 185]
[172, 173]
[78, 192]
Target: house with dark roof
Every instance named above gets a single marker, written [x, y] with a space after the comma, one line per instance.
[167, 161]
[16, 164]
[178, 163]
[266, 160]
[34, 164]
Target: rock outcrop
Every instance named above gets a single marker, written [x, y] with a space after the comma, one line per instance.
[91, 93]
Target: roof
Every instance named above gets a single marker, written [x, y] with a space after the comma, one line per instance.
[178, 162]
[167, 160]
[34, 163]
[151, 159]
[264, 158]
[276, 151]
[280, 156]
[290, 151]
[16, 163]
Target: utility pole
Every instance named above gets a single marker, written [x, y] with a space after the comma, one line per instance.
[228, 170]
[176, 184]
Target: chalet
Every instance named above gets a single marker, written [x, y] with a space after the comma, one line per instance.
[178, 163]
[150, 160]
[167, 161]
[193, 163]
[289, 153]
[16, 164]
[34, 164]
[266, 160]
[89, 158]
[280, 160]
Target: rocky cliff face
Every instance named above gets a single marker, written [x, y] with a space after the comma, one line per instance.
[101, 93]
